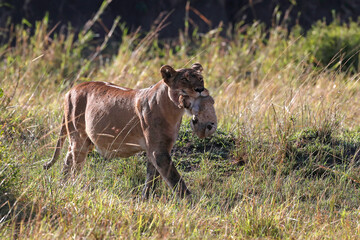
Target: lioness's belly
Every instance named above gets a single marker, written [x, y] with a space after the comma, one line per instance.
[115, 142]
[116, 150]
[115, 130]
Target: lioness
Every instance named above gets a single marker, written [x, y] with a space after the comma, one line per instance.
[122, 121]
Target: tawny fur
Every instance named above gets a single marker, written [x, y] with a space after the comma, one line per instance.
[120, 122]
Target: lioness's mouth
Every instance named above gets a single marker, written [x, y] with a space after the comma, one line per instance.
[193, 94]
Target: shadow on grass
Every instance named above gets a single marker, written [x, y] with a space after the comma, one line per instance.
[316, 150]
[189, 150]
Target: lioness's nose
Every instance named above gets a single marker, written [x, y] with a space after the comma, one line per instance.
[199, 89]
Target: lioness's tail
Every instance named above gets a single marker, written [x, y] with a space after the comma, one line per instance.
[59, 145]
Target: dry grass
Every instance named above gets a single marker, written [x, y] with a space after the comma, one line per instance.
[277, 183]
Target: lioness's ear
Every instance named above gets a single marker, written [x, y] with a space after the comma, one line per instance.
[167, 73]
[197, 67]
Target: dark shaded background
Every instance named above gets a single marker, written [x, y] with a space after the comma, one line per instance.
[144, 12]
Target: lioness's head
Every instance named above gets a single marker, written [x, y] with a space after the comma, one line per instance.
[204, 120]
[185, 81]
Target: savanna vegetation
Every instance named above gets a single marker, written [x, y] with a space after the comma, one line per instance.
[284, 163]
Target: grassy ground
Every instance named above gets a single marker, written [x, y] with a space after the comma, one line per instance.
[283, 164]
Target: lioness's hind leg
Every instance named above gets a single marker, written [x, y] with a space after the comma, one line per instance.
[68, 162]
[76, 156]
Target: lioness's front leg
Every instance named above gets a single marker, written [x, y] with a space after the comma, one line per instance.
[163, 164]
[152, 176]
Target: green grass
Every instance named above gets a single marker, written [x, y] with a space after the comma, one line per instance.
[284, 163]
